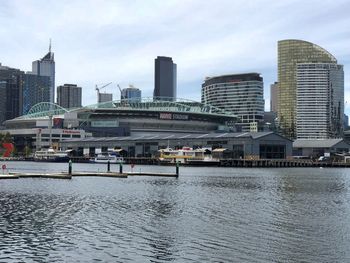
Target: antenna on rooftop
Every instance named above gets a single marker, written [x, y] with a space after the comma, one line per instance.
[50, 46]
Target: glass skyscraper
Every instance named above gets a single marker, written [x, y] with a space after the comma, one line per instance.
[11, 96]
[46, 67]
[292, 52]
[35, 89]
[164, 79]
[131, 94]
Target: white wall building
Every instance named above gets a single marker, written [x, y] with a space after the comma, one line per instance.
[320, 100]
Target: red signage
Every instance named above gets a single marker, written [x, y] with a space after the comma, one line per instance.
[71, 132]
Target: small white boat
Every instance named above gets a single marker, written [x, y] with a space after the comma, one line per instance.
[100, 158]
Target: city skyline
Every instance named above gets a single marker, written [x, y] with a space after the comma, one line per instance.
[98, 42]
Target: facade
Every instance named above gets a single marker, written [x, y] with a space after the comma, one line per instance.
[11, 88]
[291, 52]
[319, 147]
[319, 101]
[46, 67]
[240, 94]
[346, 121]
[164, 79]
[274, 97]
[69, 96]
[133, 119]
[254, 145]
[131, 94]
[104, 97]
[35, 89]
[42, 137]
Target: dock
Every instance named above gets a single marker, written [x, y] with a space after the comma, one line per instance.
[152, 174]
[39, 175]
[83, 174]
[8, 176]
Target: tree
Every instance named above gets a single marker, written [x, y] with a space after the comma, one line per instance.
[7, 138]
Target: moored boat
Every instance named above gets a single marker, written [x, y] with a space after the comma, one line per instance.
[186, 155]
[105, 158]
[51, 155]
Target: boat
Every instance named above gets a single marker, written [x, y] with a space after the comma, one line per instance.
[186, 155]
[105, 158]
[51, 155]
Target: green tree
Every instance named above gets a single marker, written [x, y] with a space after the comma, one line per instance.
[27, 151]
[7, 138]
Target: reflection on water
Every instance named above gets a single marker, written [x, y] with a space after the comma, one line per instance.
[206, 215]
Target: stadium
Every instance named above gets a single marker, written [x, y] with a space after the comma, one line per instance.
[47, 124]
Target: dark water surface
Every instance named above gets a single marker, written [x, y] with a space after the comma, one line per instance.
[206, 215]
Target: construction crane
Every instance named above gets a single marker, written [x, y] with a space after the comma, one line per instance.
[99, 89]
[121, 93]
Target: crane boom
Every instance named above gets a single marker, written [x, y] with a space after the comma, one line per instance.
[121, 93]
[98, 90]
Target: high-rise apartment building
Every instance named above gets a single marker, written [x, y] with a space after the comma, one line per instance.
[131, 94]
[46, 67]
[35, 89]
[69, 96]
[11, 85]
[240, 94]
[291, 53]
[164, 79]
[274, 97]
[319, 100]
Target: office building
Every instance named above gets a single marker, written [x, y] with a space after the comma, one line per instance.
[319, 101]
[35, 89]
[274, 97]
[69, 96]
[291, 52]
[131, 94]
[46, 67]
[11, 85]
[240, 94]
[164, 79]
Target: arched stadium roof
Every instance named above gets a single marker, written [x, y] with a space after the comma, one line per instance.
[45, 109]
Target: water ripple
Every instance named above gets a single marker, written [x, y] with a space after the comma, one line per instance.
[210, 215]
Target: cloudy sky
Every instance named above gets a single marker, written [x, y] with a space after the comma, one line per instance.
[97, 41]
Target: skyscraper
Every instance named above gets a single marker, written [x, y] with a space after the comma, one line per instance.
[69, 96]
[11, 85]
[320, 101]
[46, 67]
[131, 94]
[274, 97]
[164, 79]
[240, 94]
[35, 89]
[291, 52]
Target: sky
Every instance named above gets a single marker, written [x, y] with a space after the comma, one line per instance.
[97, 42]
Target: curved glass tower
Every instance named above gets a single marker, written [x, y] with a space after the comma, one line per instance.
[292, 52]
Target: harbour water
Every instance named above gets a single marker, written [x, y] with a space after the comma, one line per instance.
[205, 215]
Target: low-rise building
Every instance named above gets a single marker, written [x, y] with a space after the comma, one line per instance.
[319, 147]
[242, 145]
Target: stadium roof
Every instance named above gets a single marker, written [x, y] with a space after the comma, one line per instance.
[46, 109]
